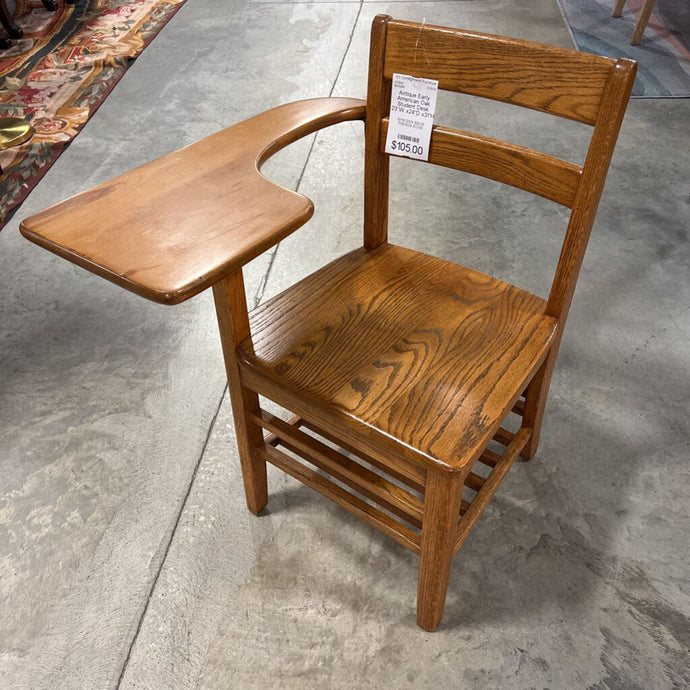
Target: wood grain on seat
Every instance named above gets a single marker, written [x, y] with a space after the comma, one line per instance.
[423, 355]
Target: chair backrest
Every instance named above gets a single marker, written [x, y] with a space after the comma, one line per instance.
[587, 88]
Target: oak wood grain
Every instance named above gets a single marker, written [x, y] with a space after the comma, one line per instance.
[533, 171]
[376, 163]
[608, 123]
[233, 323]
[274, 440]
[441, 507]
[550, 79]
[175, 226]
[585, 206]
[422, 356]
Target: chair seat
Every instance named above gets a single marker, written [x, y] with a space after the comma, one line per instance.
[412, 352]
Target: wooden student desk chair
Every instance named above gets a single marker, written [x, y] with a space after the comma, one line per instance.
[406, 362]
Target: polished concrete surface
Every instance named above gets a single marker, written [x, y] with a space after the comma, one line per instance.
[127, 557]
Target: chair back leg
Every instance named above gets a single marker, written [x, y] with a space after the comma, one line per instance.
[535, 399]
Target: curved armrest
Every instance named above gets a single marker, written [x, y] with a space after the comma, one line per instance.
[171, 228]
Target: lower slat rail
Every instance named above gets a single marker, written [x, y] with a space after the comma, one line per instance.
[474, 481]
[519, 407]
[375, 487]
[491, 483]
[274, 439]
[384, 523]
[503, 436]
[408, 474]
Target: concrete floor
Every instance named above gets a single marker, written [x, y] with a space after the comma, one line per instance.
[127, 557]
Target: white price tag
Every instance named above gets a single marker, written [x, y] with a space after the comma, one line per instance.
[413, 102]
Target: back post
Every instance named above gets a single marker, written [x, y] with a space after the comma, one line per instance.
[376, 163]
[606, 128]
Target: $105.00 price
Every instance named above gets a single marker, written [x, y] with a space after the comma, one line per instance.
[406, 147]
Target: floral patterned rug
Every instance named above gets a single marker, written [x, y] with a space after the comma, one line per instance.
[60, 71]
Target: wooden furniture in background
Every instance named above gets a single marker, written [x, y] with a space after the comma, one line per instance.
[642, 20]
[407, 363]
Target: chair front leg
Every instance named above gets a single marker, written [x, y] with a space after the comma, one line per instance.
[439, 531]
[233, 322]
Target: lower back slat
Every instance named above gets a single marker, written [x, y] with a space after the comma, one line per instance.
[533, 171]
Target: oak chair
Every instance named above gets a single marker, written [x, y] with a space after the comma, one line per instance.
[407, 363]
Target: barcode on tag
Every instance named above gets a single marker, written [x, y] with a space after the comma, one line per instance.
[413, 102]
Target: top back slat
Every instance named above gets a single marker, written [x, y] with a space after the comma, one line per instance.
[552, 80]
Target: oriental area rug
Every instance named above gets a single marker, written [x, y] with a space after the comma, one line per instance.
[663, 55]
[59, 72]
